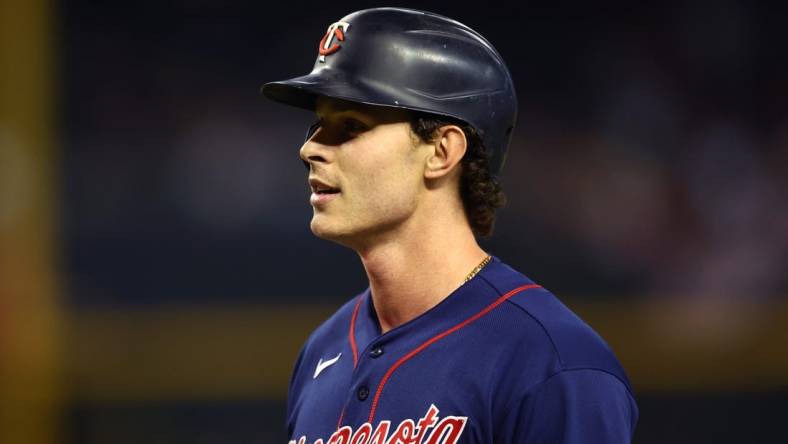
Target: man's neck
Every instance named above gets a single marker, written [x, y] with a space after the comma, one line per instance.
[417, 269]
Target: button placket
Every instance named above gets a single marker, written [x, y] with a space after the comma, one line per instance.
[366, 372]
[376, 352]
[362, 393]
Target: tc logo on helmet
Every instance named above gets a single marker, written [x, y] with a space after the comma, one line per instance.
[327, 44]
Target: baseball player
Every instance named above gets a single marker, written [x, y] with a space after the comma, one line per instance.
[448, 344]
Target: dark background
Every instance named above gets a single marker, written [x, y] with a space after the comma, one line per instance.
[649, 154]
[648, 170]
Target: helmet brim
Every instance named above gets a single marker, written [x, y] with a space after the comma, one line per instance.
[303, 91]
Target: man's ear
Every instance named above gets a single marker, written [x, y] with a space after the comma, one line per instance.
[448, 147]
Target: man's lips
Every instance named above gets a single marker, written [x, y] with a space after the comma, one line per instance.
[320, 199]
[322, 192]
[321, 187]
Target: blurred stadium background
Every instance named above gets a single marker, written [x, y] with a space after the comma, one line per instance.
[157, 274]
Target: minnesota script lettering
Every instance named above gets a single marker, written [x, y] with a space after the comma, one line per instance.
[429, 429]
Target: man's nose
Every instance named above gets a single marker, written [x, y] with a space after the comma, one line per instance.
[313, 150]
[322, 142]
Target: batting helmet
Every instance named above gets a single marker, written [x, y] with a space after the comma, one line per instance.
[415, 60]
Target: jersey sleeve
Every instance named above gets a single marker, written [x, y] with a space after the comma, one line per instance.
[572, 407]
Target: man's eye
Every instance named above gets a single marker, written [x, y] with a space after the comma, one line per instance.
[354, 126]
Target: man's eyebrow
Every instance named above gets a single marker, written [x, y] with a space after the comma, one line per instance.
[344, 106]
[344, 110]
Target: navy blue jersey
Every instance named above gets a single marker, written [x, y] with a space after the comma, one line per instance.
[500, 360]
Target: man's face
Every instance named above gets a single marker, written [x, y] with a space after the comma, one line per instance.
[366, 172]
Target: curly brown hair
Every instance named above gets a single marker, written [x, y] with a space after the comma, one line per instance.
[480, 191]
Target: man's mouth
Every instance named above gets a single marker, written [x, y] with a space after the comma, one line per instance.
[326, 191]
[322, 192]
[320, 187]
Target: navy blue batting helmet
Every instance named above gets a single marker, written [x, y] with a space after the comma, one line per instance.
[415, 60]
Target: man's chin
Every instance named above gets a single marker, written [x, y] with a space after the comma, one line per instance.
[323, 229]
[330, 232]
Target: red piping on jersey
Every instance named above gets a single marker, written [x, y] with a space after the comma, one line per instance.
[437, 338]
[352, 334]
[341, 417]
[353, 347]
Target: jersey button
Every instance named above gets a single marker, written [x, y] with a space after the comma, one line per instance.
[362, 393]
[376, 352]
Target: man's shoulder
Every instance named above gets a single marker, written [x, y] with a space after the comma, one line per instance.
[572, 342]
[335, 327]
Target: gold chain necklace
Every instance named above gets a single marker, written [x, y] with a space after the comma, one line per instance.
[478, 268]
